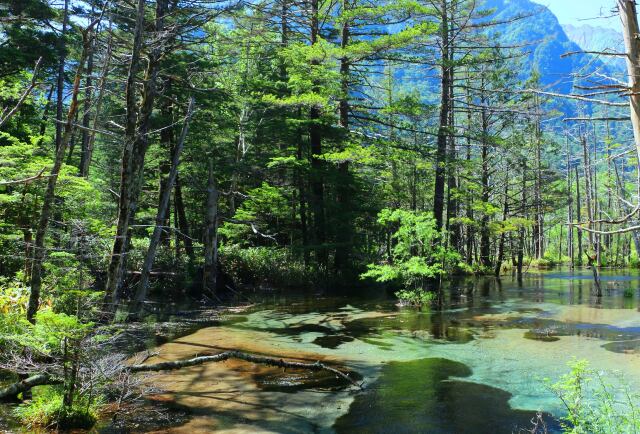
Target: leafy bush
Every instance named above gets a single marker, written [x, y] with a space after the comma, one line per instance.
[265, 265]
[593, 405]
[416, 254]
[415, 297]
[47, 409]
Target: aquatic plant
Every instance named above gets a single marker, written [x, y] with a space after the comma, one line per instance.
[594, 405]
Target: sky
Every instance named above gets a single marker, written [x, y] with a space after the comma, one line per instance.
[579, 12]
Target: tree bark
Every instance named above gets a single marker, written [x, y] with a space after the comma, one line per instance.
[630, 32]
[443, 131]
[317, 166]
[13, 390]
[88, 151]
[183, 223]
[163, 209]
[210, 272]
[86, 115]
[50, 192]
[62, 48]
[221, 357]
[136, 145]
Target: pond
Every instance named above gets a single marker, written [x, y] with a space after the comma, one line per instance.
[476, 364]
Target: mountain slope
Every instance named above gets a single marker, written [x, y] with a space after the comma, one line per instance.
[601, 39]
[545, 40]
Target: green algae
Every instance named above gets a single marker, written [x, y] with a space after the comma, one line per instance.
[427, 395]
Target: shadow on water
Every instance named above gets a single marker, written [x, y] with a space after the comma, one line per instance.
[427, 395]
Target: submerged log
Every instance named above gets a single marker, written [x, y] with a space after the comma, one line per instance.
[270, 361]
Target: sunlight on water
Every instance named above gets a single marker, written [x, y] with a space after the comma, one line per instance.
[487, 350]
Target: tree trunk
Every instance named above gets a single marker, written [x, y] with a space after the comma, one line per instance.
[343, 227]
[86, 111]
[579, 217]
[210, 272]
[317, 166]
[630, 32]
[183, 223]
[505, 214]
[569, 207]
[88, 150]
[485, 241]
[443, 131]
[523, 212]
[163, 209]
[50, 192]
[136, 144]
[62, 51]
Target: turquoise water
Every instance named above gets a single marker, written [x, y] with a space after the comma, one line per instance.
[477, 363]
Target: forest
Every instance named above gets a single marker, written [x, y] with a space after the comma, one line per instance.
[318, 216]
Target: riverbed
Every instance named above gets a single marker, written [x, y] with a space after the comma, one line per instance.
[479, 362]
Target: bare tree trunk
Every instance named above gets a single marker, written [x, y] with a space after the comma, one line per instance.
[579, 217]
[136, 145]
[50, 192]
[523, 212]
[210, 272]
[538, 233]
[570, 207]
[62, 48]
[505, 215]
[343, 230]
[317, 164]
[485, 242]
[445, 108]
[630, 32]
[163, 209]
[591, 256]
[88, 150]
[183, 223]
[86, 115]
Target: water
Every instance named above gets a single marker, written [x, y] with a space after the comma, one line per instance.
[476, 364]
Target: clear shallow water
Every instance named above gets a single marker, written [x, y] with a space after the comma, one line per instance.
[476, 364]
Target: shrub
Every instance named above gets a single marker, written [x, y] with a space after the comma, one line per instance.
[593, 405]
[415, 297]
[417, 254]
[258, 265]
[47, 409]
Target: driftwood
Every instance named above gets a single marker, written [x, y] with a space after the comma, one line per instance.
[270, 361]
[13, 390]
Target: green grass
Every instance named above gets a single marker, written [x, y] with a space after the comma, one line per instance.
[46, 409]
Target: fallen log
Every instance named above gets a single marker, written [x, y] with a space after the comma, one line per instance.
[270, 361]
[13, 390]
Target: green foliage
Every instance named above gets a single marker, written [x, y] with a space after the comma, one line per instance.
[47, 410]
[266, 206]
[416, 254]
[46, 337]
[593, 404]
[416, 297]
[266, 265]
